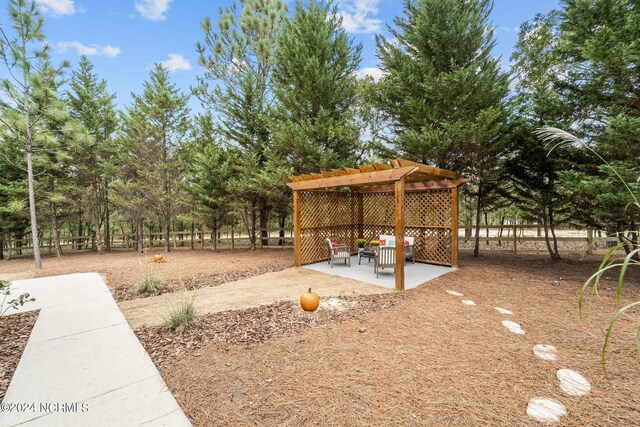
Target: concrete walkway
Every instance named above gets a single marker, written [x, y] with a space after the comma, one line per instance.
[83, 365]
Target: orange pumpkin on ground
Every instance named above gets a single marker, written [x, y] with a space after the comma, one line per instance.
[158, 258]
[309, 301]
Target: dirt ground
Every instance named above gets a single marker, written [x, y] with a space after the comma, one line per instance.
[123, 269]
[425, 360]
[15, 330]
[429, 360]
[285, 285]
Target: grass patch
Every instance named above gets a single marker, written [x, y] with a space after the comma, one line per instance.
[150, 283]
[181, 316]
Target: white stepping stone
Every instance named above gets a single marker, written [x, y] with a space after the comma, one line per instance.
[546, 410]
[573, 383]
[503, 310]
[454, 293]
[545, 351]
[513, 327]
[468, 302]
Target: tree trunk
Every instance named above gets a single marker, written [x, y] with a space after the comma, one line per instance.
[107, 218]
[283, 219]
[554, 256]
[476, 248]
[55, 237]
[139, 236]
[35, 242]
[96, 215]
[552, 227]
[79, 240]
[264, 224]
[193, 230]
[167, 234]
[1, 245]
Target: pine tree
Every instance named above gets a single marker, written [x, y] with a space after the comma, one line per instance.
[315, 84]
[20, 50]
[598, 47]
[93, 106]
[165, 119]
[237, 86]
[208, 170]
[443, 89]
[533, 177]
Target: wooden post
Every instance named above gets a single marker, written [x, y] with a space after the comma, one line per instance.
[233, 243]
[297, 243]
[399, 205]
[454, 227]
[360, 216]
[589, 241]
[515, 238]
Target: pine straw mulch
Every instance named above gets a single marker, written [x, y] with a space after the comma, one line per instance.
[430, 360]
[255, 325]
[14, 334]
[126, 293]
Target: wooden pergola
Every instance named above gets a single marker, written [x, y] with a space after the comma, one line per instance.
[402, 198]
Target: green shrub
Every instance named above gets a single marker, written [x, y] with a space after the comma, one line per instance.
[181, 316]
[150, 282]
[14, 303]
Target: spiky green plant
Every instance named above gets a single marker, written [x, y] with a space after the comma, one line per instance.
[610, 261]
[181, 316]
[150, 282]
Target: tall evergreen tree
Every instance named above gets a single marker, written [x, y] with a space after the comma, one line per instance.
[93, 106]
[237, 86]
[315, 84]
[21, 47]
[601, 92]
[443, 89]
[165, 118]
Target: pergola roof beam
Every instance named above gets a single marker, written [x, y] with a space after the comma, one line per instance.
[355, 180]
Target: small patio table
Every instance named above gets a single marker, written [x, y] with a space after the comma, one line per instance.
[365, 253]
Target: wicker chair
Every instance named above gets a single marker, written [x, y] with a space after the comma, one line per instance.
[337, 253]
[386, 258]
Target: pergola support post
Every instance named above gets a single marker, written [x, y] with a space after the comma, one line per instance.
[399, 208]
[360, 216]
[297, 244]
[454, 227]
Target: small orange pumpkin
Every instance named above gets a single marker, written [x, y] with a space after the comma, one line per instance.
[158, 258]
[309, 301]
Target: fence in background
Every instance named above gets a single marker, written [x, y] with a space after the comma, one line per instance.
[511, 238]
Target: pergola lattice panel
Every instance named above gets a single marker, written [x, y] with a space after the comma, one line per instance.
[326, 214]
[334, 215]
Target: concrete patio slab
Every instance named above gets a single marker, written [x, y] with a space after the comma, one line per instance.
[414, 274]
[84, 352]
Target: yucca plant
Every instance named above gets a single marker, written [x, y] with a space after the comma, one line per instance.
[181, 316]
[610, 261]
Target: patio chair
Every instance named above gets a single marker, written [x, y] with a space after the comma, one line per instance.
[386, 258]
[409, 248]
[338, 252]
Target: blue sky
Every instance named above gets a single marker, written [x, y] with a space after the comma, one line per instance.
[123, 38]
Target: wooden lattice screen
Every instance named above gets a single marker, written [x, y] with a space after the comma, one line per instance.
[335, 215]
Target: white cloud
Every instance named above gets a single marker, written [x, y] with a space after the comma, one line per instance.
[57, 7]
[176, 62]
[82, 49]
[155, 10]
[356, 16]
[374, 72]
